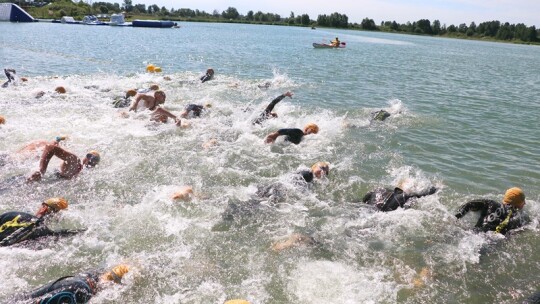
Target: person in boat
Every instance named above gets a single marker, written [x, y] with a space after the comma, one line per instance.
[208, 76]
[194, 110]
[387, 199]
[71, 165]
[16, 227]
[76, 289]
[495, 216]
[267, 113]
[335, 42]
[293, 135]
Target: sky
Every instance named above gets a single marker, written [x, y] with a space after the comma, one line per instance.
[446, 11]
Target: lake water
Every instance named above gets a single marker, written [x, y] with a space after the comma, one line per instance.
[465, 118]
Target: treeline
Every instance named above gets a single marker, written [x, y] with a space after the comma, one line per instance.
[493, 29]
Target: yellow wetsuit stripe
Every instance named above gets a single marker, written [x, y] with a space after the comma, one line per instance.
[14, 223]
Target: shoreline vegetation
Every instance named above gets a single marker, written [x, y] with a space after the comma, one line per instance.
[494, 31]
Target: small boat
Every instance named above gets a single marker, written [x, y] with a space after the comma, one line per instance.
[118, 20]
[153, 23]
[92, 20]
[68, 20]
[328, 46]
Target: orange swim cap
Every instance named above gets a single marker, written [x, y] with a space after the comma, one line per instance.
[56, 203]
[514, 196]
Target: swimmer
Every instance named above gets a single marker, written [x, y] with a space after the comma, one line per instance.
[143, 101]
[265, 85]
[380, 115]
[386, 199]
[184, 194]
[10, 74]
[125, 101]
[2, 120]
[292, 135]
[194, 109]
[318, 170]
[267, 113]
[497, 217]
[16, 227]
[294, 240]
[71, 165]
[208, 76]
[162, 115]
[77, 289]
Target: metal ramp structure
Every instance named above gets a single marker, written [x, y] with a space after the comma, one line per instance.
[14, 13]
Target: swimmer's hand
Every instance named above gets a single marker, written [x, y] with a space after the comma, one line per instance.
[271, 137]
[178, 122]
[34, 177]
[60, 138]
[288, 94]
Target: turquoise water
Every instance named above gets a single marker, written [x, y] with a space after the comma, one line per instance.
[465, 118]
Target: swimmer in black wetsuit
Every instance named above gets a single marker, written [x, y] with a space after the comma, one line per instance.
[194, 109]
[380, 115]
[77, 289]
[10, 74]
[208, 76]
[498, 217]
[533, 299]
[267, 113]
[386, 199]
[16, 227]
[242, 212]
[293, 135]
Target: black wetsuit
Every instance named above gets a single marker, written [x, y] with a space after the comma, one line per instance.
[266, 114]
[307, 175]
[195, 109]
[206, 77]
[122, 102]
[533, 299]
[386, 199]
[381, 115]
[494, 216]
[16, 227]
[9, 74]
[292, 135]
[76, 289]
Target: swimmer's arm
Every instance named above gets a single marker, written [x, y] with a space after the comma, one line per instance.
[170, 115]
[475, 205]
[270, 138]
[273, 103]
[136, 102]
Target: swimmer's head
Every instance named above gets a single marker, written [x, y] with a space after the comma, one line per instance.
[514, 197]
[160, 96]
[116, 274]
[51, 205]
[320, 168]
[91, 159]
[208, 105]
[131, 93]
[60, 90]
[2, 120]
[210, 71]
[154, 87]
[311, 128]
[273, 114]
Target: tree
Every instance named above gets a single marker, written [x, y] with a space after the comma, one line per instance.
[368, 24]
[425, 26]
[103, 9]
[141, 8]
[249, 16]
[230, 13]
[436, 27]
[128, 5]
[305, 19]
[462, 28]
